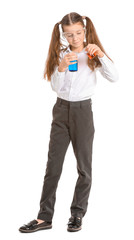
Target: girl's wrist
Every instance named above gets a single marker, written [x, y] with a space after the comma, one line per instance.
[61, 69]
[101, 55]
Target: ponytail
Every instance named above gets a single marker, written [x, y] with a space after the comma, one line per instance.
[53, 52]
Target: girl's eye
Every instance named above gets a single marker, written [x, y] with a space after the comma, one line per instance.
[72, 35]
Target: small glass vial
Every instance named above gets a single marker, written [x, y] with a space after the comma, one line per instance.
[90, 56]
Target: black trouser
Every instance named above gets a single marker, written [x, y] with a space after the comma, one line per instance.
[71, 121]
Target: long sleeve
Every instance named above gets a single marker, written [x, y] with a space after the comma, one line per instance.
[57, 78]
[108, 69]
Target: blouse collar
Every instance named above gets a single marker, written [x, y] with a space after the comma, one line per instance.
[69, 50]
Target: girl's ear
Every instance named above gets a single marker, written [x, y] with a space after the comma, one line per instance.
[85, 31]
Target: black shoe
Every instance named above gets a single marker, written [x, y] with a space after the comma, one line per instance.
[34, 226]
[74, 224]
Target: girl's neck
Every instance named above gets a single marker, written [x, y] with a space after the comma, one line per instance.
[79, 49]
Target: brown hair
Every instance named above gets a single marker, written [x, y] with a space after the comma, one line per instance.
[56, 46]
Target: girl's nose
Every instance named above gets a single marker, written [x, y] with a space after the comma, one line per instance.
[75, 37]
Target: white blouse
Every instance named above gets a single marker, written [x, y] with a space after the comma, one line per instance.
[80, 85]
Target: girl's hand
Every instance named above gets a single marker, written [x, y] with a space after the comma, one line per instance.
[65, 62]
[93, 48]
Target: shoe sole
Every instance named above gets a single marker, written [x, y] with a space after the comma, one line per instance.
[73, 230]
[37, 229]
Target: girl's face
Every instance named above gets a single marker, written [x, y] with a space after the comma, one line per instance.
[74, 34]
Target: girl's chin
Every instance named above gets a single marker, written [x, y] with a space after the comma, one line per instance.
[77, 44]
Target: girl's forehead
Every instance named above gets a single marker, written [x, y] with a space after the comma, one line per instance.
[73, 27]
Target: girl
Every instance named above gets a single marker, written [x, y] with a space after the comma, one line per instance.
[72, 113]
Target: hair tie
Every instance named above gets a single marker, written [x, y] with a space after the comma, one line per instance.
[83, 17]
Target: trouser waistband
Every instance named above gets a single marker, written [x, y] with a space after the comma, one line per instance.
[76, 103]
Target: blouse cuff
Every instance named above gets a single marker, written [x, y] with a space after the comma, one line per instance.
[103, 58]
[60, 74]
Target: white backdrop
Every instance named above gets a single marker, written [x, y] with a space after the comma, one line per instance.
[26, 102]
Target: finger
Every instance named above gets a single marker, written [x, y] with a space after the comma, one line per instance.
[71, 54]
[72, 58]
[93, 50]
[74, 55]
[70, 63]
[94, 53]
[89, 46]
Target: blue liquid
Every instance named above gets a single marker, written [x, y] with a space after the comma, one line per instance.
[73, 67]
